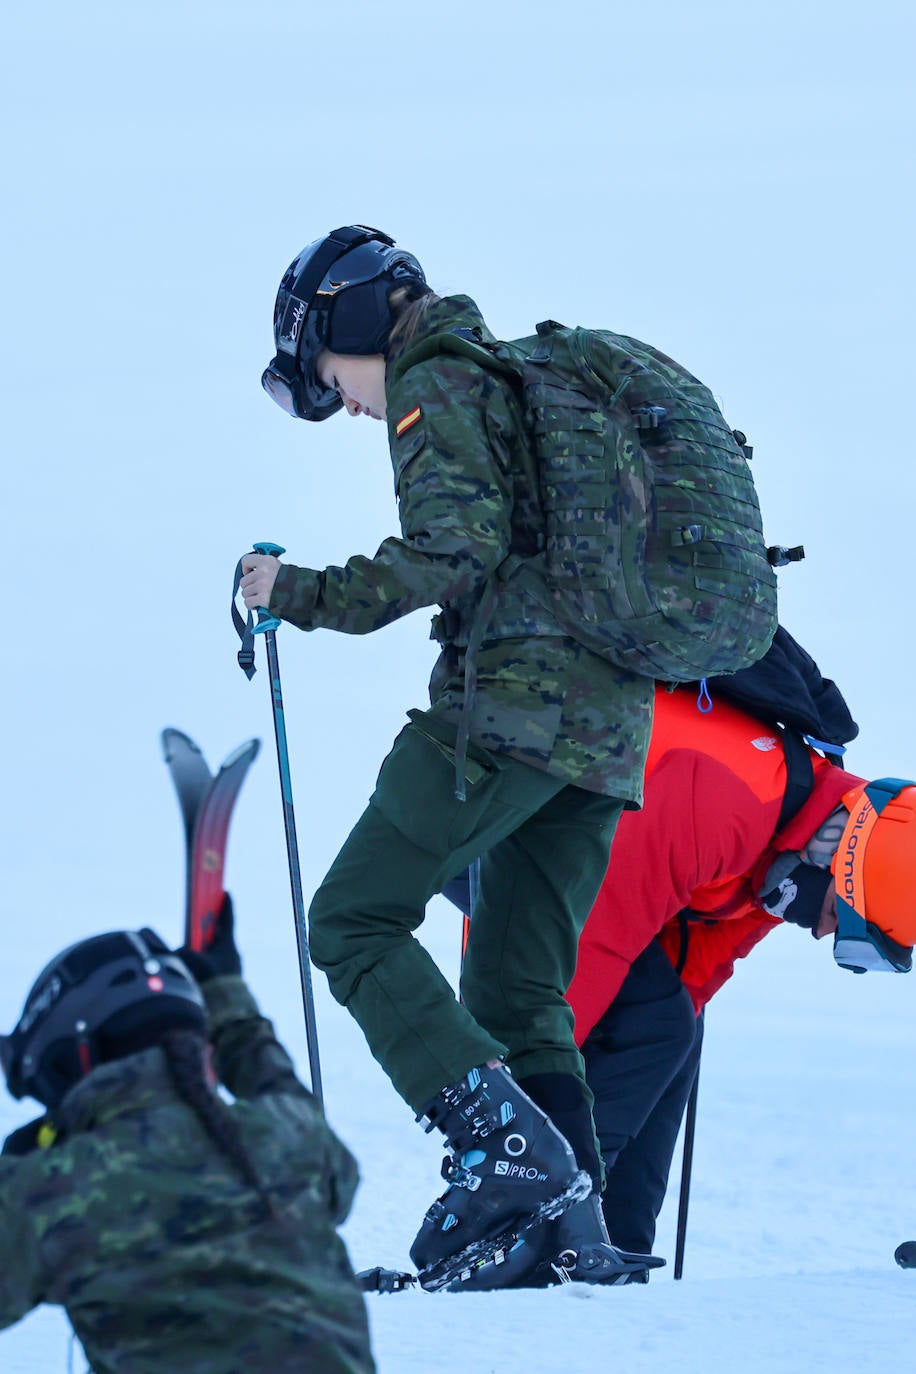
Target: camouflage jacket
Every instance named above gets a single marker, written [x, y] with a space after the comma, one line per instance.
[465, 481]
[161, 1254]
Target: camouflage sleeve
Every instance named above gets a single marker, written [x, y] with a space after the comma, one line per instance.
[249, 1058]
[252, 1063]
[454, 487]
[20, 1281]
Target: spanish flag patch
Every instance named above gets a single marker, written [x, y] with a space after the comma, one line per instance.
[409, 419]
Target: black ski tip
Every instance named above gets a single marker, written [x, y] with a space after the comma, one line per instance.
[905, 1254]
[170, 737]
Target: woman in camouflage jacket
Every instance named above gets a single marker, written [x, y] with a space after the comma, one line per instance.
[179, 1232]
[530, 749]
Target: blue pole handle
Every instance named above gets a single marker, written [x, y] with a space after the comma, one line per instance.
[266, 621]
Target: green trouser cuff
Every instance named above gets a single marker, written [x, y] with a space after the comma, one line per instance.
[424, 1046]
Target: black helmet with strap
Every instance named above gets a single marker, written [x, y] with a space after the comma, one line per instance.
[334, 295]
[102, 998]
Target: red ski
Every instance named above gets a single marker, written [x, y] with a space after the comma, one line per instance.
[206, 808]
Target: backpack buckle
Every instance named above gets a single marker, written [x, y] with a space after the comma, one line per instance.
[778, 555]
[649, 417]
[740, 439]
[687, 534]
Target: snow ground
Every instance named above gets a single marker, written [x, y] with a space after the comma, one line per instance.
[801, 1192]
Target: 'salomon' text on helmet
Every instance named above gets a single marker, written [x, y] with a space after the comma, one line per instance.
[875, 871]
[334, 295]
[100, 999]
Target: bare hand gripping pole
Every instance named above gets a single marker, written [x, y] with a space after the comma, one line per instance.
[246, 630]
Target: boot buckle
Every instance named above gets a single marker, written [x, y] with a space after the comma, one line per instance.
[559, 1267]
[460, 1177]
[564, 1262]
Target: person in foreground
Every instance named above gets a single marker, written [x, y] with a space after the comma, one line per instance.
[533, 745]
[740, 833]
[178, 1231]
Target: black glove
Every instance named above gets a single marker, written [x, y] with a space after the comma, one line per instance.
[220, 959]
[35, 1135]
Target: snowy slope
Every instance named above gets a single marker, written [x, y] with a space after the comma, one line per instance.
[802, 1189]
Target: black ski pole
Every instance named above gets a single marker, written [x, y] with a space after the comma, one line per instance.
[473, 898]
[268, 625]
[686, 1167]
[473, 887]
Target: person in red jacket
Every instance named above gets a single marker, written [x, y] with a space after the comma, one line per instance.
[696, 879]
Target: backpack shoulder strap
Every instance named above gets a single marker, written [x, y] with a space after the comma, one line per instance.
[799, 775]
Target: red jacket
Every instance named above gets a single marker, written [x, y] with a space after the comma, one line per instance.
[704, 839]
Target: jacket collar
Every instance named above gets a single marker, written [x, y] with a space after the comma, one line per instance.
[116, 1089]
[443, 317]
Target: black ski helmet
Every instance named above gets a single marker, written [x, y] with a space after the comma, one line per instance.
[334, 295]
[100, 999]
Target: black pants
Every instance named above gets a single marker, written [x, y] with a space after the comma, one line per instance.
[640, 1062]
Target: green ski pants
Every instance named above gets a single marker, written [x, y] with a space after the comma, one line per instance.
[544, 849]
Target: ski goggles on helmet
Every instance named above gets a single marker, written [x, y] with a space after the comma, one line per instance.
[872, 881]
[299, 392]
[313, 289]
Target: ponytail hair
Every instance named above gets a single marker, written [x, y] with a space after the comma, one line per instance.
[409, 303]
[185, 1052]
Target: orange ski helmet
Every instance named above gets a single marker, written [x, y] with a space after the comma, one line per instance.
[875, 861]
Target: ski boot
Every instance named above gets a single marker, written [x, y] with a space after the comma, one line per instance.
[521, 1265]
[584, 1253]
[578, 1246]
[509, 1170]
[544, 1259]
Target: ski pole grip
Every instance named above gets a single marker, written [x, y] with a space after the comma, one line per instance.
[266, 621]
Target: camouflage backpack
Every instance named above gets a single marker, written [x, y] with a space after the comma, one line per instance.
[652, 552]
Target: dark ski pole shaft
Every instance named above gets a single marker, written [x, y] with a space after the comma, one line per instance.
[690, 1125]
[292, 851]
[267, 625]
[473, 898]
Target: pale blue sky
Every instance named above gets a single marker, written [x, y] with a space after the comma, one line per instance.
[732, 183]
